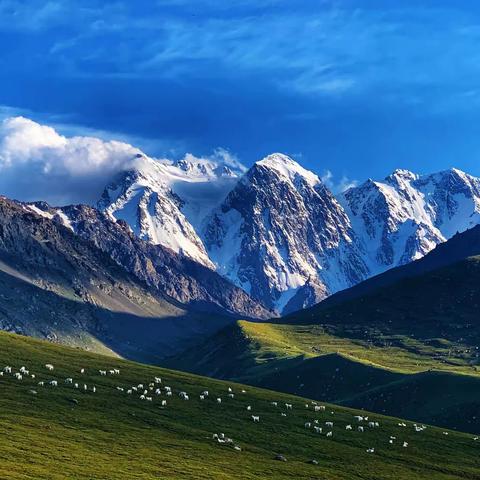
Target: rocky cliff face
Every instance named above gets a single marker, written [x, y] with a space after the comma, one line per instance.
[279, 227]
[406, 215]
[178, 277]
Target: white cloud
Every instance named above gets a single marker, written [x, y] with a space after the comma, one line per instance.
[37, 163]
[337, 186]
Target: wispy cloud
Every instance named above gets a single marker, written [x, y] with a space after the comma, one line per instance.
[316, 48]
[344, 183]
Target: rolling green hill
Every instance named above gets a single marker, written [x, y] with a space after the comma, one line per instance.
[367, 349]
[50, 432]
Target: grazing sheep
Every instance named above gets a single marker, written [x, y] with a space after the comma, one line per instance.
[202, 397]
[288, 406]
[49, 366]
[274, 404]
[158, 380]
[317, 429]
[41, 384]
[329, 424]
[348, 427]
[164, 403]
[255, 418]
[219, 400]
[360, 429]
[231, 395]
[329, 434]
[405, 444]
[82, 371]
[54, 383]
[308, 425]
[69, 380]
[249, 407]
[370, 450]
[103, 372]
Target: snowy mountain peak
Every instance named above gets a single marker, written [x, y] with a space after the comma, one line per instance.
[401, 175]
[288, 168]
[202, 167]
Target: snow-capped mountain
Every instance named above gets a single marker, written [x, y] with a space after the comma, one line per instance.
[163, 202]
[278, 232]
[406, 215]
[279, 227]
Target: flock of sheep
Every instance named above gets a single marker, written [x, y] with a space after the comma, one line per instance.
[154, 389]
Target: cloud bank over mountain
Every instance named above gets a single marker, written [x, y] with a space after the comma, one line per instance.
[39, 163]
[36, 162]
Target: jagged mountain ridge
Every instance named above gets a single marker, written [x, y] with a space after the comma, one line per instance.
[280, 234]
[407, 215]
[56, 285]
[180, 278]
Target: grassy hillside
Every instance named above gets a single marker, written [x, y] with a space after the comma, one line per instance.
[304, 360]
[64, 432]
[367, 349]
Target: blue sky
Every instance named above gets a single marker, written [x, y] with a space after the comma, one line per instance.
[357, 87]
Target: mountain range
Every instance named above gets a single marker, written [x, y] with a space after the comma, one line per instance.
[279, 233]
